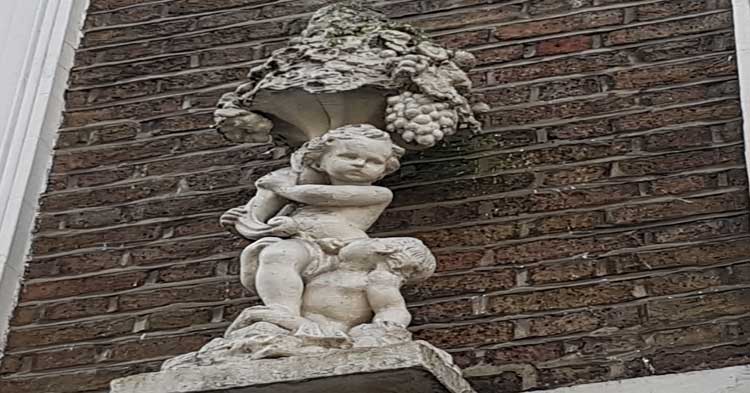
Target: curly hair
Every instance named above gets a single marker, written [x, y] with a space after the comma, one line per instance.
[311, 152]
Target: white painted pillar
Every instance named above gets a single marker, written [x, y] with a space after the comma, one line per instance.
[37, 41]
[742, 38]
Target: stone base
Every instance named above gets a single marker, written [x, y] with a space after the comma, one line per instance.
[414, 367]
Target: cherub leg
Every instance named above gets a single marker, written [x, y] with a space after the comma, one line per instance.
[278, 281]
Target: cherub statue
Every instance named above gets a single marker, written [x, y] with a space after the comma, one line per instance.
[320, 276]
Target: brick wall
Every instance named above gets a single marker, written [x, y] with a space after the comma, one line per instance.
[598, 230]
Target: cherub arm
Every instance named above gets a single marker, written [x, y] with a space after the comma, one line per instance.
[328, 195]
[385, 298]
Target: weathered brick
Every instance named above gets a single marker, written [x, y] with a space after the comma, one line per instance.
[698, 255]
[132, 111]
[464, 40]
[507, 381]
[136, 32]
[467, 188]
[160, 147]
[680, 208]
[525, 353]
[700, 230]
[586, 20]
[98, 135]
[576, 175]
[564, 45]
[670, 29]
[499, 55]
[661, 75]
[698, 308]
[467, 335]
[561, 298]
[69, 333]
[572, 375]
[545, 7]
[205, 292]
[562, 271]
[668, 9]
[677, 162]
[81, 286]
[447, 311]
[692, 335]
[180, 318]
[558, 66]
[568, 88]
[77, 308]
[685, 48]
[461, 283]
[75, 381]
[561, 110]
[463, 19]
[115, 73]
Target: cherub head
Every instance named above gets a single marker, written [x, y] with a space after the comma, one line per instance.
[353, 154]
[405, 256]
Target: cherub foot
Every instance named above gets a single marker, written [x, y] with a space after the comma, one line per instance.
[273, 313]
[321, 335]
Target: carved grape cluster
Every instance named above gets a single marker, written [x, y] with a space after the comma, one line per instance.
[419, 119]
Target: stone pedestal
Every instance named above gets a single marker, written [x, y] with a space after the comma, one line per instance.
[414, 367]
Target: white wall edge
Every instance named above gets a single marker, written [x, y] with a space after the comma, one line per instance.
[38, 43]
[742, 38]
[722, 380]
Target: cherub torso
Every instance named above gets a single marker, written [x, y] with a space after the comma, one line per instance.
[343, 223]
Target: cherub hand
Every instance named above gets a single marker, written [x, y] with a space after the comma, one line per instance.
[231, 216]
[275, 180]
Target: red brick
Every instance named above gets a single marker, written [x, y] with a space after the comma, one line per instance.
[668, 9]
[462, 283]
[545, 7]
[159, 347]
[561, 298]
[525, 354]
[136, 32]
[692, 335]
[114, 73]
[561, 110]
[576, 175]
[459, 20]
[559, 66]
[698, 308]
[685, 48]
[180, 318]
[467, 335]
[499, 55]
[75, 381]
[699, 255]
[660, 75]
[564, 45]
[562, 271]
[580, 21]
[77, 308]
[572, 375]
[680, 208]
[68, 357]
[206, 292]
[68, 333]
[186, 272]
[685, 282]
[678, 162]
[700, 230]
[464, 39]
[698, 24]
[97, 135]
[447, 311]
[122, 112]
[464, 188]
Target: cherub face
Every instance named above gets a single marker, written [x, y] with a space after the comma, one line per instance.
[356, 161]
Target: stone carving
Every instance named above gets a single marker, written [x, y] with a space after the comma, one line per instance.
[351, 92]
[339, 71]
